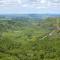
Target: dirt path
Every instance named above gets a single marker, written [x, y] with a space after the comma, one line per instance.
[48, 34]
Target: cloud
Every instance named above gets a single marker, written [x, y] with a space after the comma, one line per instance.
[30, 4]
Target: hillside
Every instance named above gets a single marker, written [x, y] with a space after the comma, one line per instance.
[29, 39]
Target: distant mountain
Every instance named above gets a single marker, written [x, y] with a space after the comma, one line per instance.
[28, 16]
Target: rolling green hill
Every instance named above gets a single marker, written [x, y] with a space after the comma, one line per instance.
[29, 39]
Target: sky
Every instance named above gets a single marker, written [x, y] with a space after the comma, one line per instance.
[29, 6]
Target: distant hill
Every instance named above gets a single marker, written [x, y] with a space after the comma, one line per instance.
[27, 16]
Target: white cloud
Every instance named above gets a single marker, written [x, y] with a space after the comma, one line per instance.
[43, 1]
[38, 4]
[19, 1]
[25, 5]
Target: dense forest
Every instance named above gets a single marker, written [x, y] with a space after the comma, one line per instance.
[29, 39]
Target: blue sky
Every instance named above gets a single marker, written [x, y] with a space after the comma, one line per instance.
[29, 6]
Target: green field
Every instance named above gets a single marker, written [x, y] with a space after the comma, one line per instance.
[29, 39]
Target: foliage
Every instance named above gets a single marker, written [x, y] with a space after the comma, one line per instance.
[21, 40]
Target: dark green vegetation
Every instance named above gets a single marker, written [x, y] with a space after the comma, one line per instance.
[29, 39]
